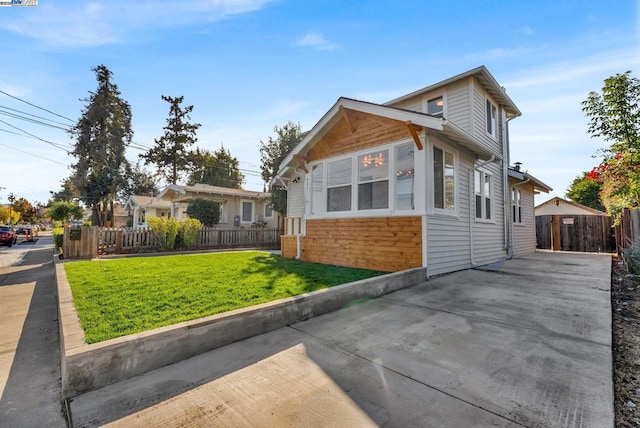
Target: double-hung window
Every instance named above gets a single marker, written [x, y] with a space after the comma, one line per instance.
[317, 198]
[516, 205]
[247, 211]
[492, 119]
[339, 185]
[444, 180]
[373, 180]
[483, 190]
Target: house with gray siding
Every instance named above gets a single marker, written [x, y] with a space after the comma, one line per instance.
[420, 181]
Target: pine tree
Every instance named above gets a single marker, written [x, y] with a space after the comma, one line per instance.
[216, 169]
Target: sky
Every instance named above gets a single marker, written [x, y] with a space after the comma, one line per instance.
[250, 65]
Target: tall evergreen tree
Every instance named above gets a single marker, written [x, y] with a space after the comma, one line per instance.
[102, 135]
[171, 154]
[139, 181]
[272, 154]
[216, 169]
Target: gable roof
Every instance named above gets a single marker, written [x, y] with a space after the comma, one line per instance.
[481, 73]
[555, 200]
[331, 118]
[182, 192]
[147, 202]
[525, 177]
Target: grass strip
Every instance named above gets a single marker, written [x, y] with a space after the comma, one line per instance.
[118, 297]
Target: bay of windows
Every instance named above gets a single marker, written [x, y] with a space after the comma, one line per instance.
[365, 181]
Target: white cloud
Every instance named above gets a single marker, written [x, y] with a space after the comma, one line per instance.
[315, 40]
[95, 24]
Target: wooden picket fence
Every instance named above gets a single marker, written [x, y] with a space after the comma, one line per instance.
[127, 241]
[585, 233]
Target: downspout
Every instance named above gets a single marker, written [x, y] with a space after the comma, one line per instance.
[507, 232]
[472, 198]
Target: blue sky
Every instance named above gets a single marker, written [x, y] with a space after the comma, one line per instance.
[249, 65]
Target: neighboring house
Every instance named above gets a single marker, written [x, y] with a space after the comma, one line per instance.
[142, 207]
[238, 208]
[559, 206]
[420, 181]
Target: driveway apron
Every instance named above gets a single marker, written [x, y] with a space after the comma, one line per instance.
[526, 343]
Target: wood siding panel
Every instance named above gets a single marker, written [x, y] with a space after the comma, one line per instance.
[524, 235]
[413, 104]
[295, 197]
[448, 243]
[370, 131]
[458, 109]
[288, 246]
[387, 244]
[480, 122]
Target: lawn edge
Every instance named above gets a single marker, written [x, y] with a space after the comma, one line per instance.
[87, 367]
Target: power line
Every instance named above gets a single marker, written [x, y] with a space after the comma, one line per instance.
[34, 115]
[32, 154]
[56, 145]
[38, 107]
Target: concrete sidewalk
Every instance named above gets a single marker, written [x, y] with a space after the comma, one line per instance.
[526, 345]
[29, 347]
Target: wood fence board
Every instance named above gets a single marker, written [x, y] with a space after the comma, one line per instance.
[584, 233]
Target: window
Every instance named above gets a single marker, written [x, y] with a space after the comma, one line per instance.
[247, 211]
[404, 177]
[483, 190]
[339, 185]
[268, 211]
[316, 189]
[444, 184]
[435, 106]
[516, 205]
[492, 119]
[373, 180]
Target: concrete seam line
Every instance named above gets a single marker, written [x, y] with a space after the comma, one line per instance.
[344, 351]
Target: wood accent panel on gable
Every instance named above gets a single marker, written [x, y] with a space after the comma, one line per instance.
[370, 131]
[388, 244]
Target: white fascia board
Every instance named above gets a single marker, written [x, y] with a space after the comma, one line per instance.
[310, 139]
[172, 187]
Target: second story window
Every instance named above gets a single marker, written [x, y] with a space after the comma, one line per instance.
[492, 119]
[435, 106]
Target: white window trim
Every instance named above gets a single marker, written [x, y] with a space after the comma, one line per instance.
[426, 99]
[494, 130]
[483, 172]
[456, 168]
[354, 212]
[515, 204]
[253, 211]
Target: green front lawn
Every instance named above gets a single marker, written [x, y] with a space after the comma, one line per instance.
[124, 296]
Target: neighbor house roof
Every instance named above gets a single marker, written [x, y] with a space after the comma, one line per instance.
[481, 73]
[525, 177]
[147, 202]
[560, 201]
[410, 117]
[179, 192]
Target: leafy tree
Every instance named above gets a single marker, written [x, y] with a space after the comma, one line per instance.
[205, 210]
[171, 153]
[67, 192]
[102, 134]
[216, 169]
[272, 154]
[585, 189]
[139, 181]
[65, 211]
[614, 115]
[27, 211]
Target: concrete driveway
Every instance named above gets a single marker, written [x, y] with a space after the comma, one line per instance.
[526, 344]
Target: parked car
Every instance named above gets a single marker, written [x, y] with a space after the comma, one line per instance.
[7, 236]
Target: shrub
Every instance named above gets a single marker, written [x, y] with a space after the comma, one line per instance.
[632, 257]
[166, 230]
[205, 210]
[189, 231]
[58, 237]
